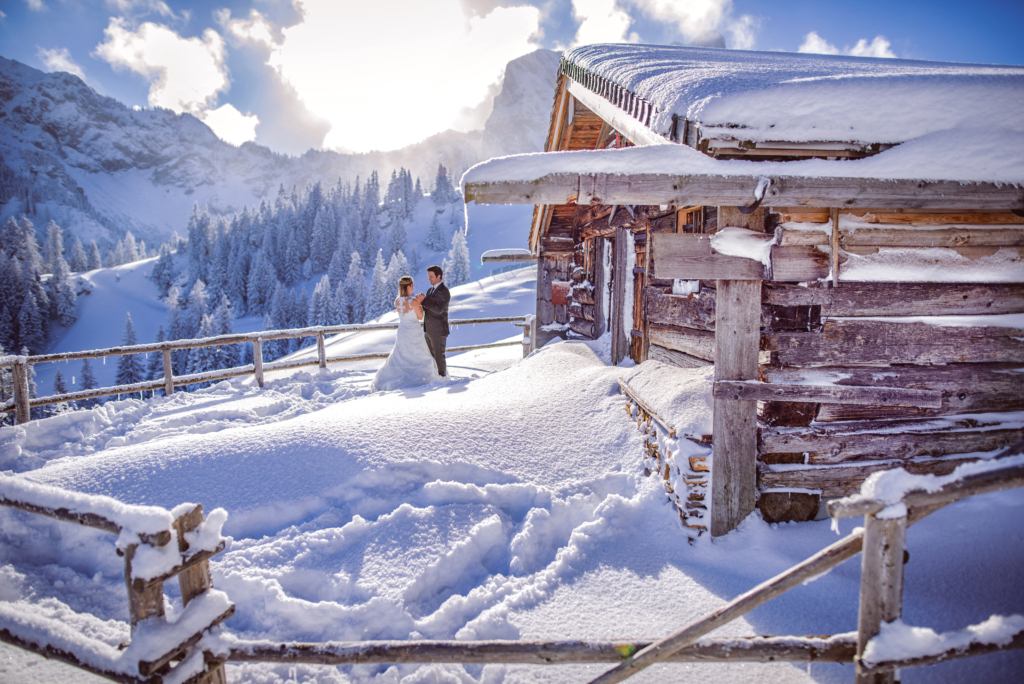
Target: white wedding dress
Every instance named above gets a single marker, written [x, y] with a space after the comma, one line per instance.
[410, 363]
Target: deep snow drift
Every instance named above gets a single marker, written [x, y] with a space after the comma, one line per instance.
[508, 502]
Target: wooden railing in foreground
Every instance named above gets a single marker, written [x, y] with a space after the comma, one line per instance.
[158, 649]
[22, 403]
[201, 653]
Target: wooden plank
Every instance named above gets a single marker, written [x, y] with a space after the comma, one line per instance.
[585, 328]
[257, 360]
[733, 191]
[697, 343]
[881, 584]
[689, 256]
[662, 650]
[147, 603]
[734, 466]
[908, 237]
[797, 264]
[843, 342]
[899, 216]
[696, 311]
[965, 388]
[22, 396]
[820, 447]
[675, 358]
[168, 373]
[974, 649]
[602, 281]
[902, 299]
[620, 275]
[732, 216]
[828, 394]
[841, 481]
[834, 243]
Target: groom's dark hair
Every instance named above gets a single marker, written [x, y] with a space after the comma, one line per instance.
[436, 270]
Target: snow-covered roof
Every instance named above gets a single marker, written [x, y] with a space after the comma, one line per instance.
[777, 96]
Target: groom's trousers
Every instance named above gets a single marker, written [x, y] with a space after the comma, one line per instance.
[436, 345]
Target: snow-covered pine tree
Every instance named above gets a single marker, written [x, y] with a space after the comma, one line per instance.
[338, 269]
[60, 387]
[352, 302]
[398, 267]
[93, 260]
[238, 274]
[39, 411]
[325, 238]
[320, 309]
[198, 306]
[299, 319]
[62, 293]
[77, 261]
[162, 274]
[381, 297]
[228, 355]
[53, 247]
[129, 366]
[31, 330]
[442, 192]
[291, 269]
[436, 240]
[262, 281]
[276, 319]
[396, 237]
[88, 383]
[155, 362]
[177, 329]
[203, 359]
[129, 249]
[370, 218]
[414, 260]
[199, 242]
[220, 253]
[456, 266]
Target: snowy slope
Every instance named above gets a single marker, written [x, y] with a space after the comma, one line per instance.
[99, 168]
[509, 505]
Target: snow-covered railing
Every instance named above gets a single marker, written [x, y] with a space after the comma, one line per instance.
[145, 536]
[890, 501]
[22, 403]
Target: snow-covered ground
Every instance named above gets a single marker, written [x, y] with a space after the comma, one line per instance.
[507, 502]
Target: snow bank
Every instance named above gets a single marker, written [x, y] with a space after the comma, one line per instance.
[742, 242]
[806, 97]
[898, 641]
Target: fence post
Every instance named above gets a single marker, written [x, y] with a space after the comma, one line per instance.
[22, 411]
[168, 374]
[257, 360]
[321, 351]
[533, 333]
[881, 584]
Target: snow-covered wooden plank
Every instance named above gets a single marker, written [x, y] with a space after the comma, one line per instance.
[761, 649]
[902, 299]
[907, 237]
[829, 394]
[699, 343]
[935, 216]
[689, 256]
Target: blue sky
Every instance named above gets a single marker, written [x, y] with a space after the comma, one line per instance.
[347, 75]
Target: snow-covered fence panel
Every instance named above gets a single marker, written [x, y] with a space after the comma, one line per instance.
[22, 403]
[157, 545]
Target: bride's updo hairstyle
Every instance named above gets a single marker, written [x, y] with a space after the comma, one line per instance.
[404, 286]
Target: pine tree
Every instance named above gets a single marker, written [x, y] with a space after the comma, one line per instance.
[351, 304]
[320, 309]
[60, 387]
[162, 274]
[129, 250]
[31, 333]
[129, 366]
[396, 237]
[198, 306]
[177, 329]
[397, 267]
[53, 248]
[77, 260]
[227, 355]
[262, 281]
[88, 383]
[456, 266]
[442, 192]
[325, 239]
[380, 297]
[39, 411]
[299, 311]
[155, 364]
[292, 267]
[204, 359]
[337, 271]
[199, 243]
[435, 238]
[93, 261]
[238, 275]
[62, 293]
[276, 319]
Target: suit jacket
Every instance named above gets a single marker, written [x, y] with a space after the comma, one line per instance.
[435, 311]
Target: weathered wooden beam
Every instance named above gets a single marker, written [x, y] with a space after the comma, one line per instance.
[631, 393]
[881, 584]
[81, 661]
[690, 256]
[974, 649]
[707, 190]
[699, 343]
[675, 358]
[899, 216]
[853, 342]
[734, 467]
[760, 649]
[901, 299]
[828, 394]
[907, 237]
[22, 396]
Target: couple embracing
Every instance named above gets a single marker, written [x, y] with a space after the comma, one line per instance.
[418, 356]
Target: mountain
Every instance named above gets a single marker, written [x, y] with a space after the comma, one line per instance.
[100, 168]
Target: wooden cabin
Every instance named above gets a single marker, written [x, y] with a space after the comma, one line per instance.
[881, 325]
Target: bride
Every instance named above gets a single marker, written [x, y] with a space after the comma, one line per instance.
[410, 362]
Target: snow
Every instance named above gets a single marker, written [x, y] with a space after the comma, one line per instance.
[934, 265]
[961, 155]
[742, 242]
[804, 97]
[899, 641]
[507, 251]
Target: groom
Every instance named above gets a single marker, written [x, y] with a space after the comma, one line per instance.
[435, 316]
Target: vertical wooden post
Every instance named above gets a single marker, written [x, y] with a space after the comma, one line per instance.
[881, 584]
[834, 215]
[168, 374]
[22, 410]
[196, 579]
[620, 336]
[734, 466]
[321, 350]
[141, 604]
[533, 334]
[257, 360]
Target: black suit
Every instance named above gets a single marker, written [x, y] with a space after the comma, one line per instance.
[435, 323]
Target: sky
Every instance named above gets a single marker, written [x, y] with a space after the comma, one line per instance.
[352, 75]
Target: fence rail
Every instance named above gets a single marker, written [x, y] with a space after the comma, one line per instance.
[21, 404]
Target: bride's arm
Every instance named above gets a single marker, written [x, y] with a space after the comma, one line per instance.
[418, 308]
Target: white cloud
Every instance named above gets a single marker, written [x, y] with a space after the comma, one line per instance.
[231, 125]
[185, 74]
[600, 22]
[879, 47]
[36, 5]
[59, 59]
[382, 93]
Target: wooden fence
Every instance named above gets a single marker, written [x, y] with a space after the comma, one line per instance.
[21, 404]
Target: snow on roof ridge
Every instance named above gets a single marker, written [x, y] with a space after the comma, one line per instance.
[802, 97]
